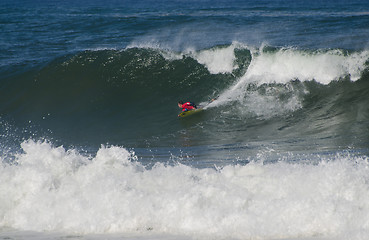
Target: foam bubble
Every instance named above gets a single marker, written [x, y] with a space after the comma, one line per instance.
[52, 189]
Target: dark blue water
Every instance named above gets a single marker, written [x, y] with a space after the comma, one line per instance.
[89, 92]
[38, 31]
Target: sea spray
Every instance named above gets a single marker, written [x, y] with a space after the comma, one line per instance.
[218, 60]
[268, 87]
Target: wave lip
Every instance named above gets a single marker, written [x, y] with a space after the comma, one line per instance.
[268, 88]
[286, 64]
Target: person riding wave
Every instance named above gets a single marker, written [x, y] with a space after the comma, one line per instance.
[187, 106]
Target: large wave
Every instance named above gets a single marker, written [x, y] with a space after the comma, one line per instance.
[100, 96]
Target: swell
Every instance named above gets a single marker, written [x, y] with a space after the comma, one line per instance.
[129, 96]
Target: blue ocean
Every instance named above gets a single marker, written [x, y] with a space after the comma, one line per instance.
[91, 145]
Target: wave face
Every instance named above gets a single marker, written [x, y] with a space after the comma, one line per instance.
[129, 97]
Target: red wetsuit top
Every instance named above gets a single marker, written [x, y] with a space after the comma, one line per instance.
[187, 106]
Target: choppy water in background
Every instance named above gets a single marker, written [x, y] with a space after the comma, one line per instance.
[91, 145]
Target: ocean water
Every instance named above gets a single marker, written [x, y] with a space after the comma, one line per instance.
[91, 146]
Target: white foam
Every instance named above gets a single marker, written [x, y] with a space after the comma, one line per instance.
[51, 189]
[217, 60]
[282, 67]
[290, 64]
[264, 103]
[268, 106]
[220, 59]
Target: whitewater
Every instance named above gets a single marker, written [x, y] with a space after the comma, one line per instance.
[112, 193]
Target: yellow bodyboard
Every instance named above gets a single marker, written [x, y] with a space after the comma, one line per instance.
[190, 112]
